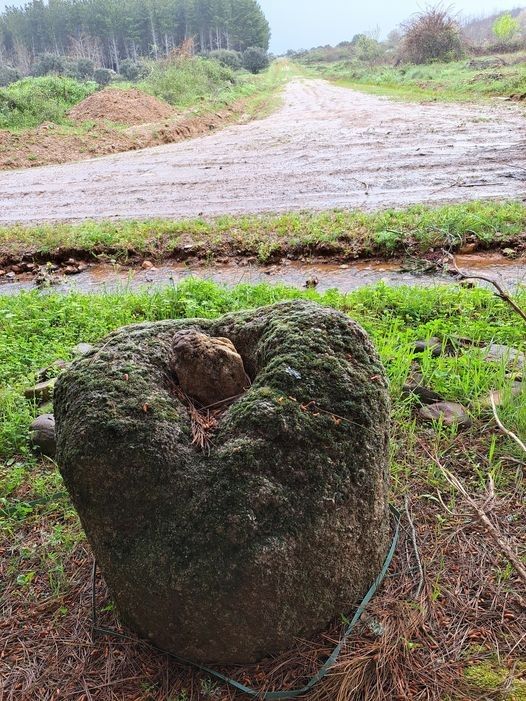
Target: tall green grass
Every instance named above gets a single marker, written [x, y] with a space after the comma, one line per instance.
[32, 101]
[186, 80]
[456, 80]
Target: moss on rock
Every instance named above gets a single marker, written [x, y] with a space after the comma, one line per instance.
[231, 556]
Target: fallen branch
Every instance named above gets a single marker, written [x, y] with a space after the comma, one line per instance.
[415, 548]
[501, 292]
[503, 428]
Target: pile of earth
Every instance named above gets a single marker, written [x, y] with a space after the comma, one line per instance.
[122, 106]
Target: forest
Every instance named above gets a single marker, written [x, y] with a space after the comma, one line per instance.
[109, 31]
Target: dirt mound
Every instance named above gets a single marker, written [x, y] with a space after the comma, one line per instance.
[123, 106]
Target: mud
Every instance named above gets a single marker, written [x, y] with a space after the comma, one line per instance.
[326, 147]
[322, 276]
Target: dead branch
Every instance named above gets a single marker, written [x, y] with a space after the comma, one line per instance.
[415, 548]
[492, 531]
[501, 292]
[503, 428]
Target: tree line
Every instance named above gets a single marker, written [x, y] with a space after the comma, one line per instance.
[110, 31]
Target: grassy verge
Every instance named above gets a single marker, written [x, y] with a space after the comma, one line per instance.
[465, 622]
[450, 82]
[335, 234]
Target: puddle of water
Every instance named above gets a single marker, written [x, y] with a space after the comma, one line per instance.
[345, 278]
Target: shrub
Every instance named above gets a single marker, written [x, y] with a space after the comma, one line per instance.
[8, 75]
[506, 27]
[48, 64]
[133, 70]
[255, 59]
[430, 36]
[84, 69]
[230, 59]
[368, 50]
[32, 101]
[184, 80]
[102, 76]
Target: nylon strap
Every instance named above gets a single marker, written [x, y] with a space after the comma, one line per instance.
[321, 673]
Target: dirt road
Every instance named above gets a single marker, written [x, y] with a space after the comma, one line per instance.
[326, 147]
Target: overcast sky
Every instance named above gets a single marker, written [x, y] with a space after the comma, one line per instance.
[298, 24]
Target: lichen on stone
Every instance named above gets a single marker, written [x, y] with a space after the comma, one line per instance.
[230, 556]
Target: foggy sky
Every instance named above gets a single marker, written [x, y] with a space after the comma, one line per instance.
[298, 24]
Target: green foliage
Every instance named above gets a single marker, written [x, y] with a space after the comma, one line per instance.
[84, 69]
[367, 49]
[8, 75]
[49, 64]
[449, 81]
[255, 59]
[31, 101]
[230, 59]
[184, 81]
[153, 29]
[506, 27]
[133, 70]
[102, 76]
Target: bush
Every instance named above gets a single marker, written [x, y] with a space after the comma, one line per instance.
[255, 59]
[368, 50]
[32, 101]
[430, 36]
[506, 27]
[183, 81]
[84, 69]
[8, 75]
[230, 59]
[102, 76]
[48, 64]
[133, 70]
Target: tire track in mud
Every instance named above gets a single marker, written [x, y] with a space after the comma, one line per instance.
[326, 147]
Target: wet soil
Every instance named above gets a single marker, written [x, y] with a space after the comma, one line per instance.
[320, 275]
[326, 147]
[52, 144]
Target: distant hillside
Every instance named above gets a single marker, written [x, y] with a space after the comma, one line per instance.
[479, 30]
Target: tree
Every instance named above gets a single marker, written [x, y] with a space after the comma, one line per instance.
[111, 31]
[231, 59]
[255, 59]
[430, 36]
[102, 76]
[506, 27]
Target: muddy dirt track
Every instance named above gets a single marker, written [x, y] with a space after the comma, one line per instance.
[326, 147]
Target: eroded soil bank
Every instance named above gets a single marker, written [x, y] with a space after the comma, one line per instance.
[327, 147]
[319, 275]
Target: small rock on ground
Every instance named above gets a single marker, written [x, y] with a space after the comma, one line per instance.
[433, 344]
[43, 434]
[501, 396]
[497, 352]
[450, 413]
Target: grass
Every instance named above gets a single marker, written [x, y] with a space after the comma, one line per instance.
[338, 234]
[451, 82]
[33, 101]
[45, 564]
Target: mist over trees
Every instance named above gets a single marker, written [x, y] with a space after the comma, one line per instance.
[110, 31]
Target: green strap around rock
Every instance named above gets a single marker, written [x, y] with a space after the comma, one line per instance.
[322, 672]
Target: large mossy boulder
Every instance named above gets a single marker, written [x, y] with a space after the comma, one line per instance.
[229, 555]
